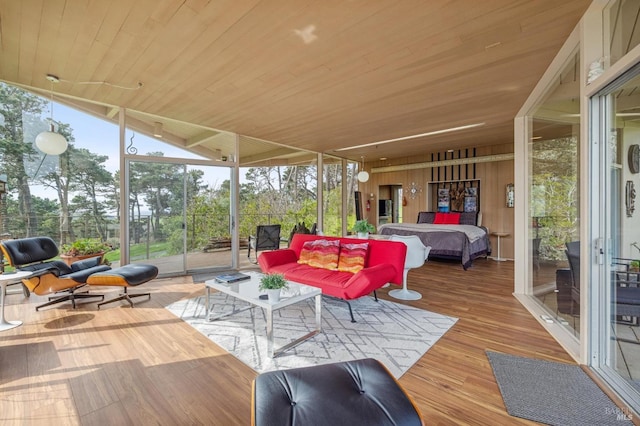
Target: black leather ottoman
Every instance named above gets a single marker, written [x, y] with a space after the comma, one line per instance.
[360, 392]
[125, 276]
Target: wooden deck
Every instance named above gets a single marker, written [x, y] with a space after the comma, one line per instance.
[145, 366]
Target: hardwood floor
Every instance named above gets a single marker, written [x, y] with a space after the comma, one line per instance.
[144, 366]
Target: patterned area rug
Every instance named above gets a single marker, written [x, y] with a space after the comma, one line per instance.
[395, 334]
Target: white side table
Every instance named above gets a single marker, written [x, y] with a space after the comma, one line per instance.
[500, 235]
[5, 279]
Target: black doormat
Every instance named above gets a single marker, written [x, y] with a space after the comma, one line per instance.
[553, 393]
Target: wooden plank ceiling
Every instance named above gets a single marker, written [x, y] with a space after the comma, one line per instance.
[311, 75]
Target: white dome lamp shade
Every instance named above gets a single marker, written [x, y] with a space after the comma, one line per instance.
[51, 143]
[363, 176]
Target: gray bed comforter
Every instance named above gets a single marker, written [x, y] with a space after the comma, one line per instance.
[466, 242]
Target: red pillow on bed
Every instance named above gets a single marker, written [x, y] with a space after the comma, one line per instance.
[452, 219]
[447, 218]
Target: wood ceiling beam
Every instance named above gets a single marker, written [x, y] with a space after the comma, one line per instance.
[112, 113]
[269, 155]
[147, 129]
[201, 138]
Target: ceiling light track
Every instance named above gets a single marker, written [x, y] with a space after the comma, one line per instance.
[420, 135]
[443, 163]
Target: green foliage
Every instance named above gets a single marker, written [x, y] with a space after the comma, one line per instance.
[85, 246]
[272, 282]
[554, 195]
[363, 226]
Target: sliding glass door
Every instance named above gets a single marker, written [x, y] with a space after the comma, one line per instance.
[176, 221]
[614, 253]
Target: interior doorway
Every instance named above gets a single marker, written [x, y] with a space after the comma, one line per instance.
[389, 204]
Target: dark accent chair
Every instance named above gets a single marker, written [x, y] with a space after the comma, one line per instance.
[267, 238]
[626, 296]
[50, 276]
[301, 228]
[359, 392]
[535, 254]
[573, 256]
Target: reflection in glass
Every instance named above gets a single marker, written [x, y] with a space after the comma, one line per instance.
[554, 221]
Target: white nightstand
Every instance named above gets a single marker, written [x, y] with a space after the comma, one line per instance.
[500, 235]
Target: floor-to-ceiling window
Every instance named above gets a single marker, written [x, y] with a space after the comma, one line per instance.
[553, 203]
[339, 188]
[278, 186]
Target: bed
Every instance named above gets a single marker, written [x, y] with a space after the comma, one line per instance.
[450, 235]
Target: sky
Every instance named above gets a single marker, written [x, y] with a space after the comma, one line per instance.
[102, 137]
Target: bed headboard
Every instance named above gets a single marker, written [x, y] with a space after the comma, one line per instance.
[466, 218]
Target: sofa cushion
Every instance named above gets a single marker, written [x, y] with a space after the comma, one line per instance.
[332, 283]
[320, 254]
[352, 257]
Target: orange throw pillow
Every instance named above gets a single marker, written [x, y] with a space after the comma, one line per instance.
[352, 257]
[306, 253]
[320, 254]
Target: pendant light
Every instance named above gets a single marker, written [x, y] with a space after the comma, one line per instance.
[51, 142]
[363, 176]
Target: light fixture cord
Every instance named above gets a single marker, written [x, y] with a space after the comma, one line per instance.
[51, 110]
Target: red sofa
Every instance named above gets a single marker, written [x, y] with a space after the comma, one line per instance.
[384, 264]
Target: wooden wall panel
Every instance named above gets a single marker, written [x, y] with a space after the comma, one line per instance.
[494, 177]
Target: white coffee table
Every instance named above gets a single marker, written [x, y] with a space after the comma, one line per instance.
[6, 279]
[248, 291]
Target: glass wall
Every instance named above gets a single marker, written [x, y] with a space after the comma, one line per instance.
[181, 176]
[278, 185]
[553, 155]
[68, 196]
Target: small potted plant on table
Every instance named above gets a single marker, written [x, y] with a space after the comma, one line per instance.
[83, 248]
[362, 228]
[273, 283]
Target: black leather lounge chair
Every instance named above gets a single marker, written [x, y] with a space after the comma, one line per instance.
[51, 276]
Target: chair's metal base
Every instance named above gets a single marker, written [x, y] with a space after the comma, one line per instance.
[69, 297]
[126, 296]
[404, 294]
